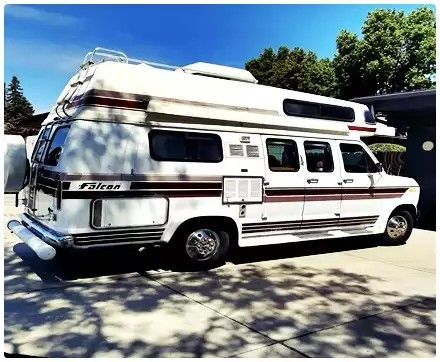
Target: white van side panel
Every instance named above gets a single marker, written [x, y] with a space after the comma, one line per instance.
[116, 167]
[107, 148]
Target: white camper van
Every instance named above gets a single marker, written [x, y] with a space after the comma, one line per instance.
[202, 158]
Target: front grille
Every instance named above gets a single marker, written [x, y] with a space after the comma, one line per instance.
[121, 236]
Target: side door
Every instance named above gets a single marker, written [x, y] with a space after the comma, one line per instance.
[43, 183]
[362, 201]
[322, 183]
[284, 182]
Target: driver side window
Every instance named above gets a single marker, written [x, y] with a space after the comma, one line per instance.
[356, 159]
[56, 146]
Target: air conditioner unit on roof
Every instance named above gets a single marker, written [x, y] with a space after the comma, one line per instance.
[219, 71]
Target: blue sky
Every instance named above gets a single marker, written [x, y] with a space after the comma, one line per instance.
[44, 44]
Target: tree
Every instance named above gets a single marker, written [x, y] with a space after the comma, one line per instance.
[396, 53]
[17, 107]
[295, 69]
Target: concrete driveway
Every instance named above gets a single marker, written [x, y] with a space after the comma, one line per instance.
[340, 298]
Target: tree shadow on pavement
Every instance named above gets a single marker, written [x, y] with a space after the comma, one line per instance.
[218, 313]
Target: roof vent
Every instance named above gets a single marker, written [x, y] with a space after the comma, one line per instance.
[219, 71]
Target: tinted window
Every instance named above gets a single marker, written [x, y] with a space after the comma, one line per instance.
[185, 146]
[356, 159]
[318, 156]
[41, 143]
[56, 146]
[282, 155]
[369, 117]
[318, 110]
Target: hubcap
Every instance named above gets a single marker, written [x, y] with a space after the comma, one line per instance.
[396, 227]
[202, 244]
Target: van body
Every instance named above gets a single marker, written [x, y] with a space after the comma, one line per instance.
[202, 158]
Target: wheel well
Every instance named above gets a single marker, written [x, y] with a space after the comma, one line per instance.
[223, 222]
[407, 207]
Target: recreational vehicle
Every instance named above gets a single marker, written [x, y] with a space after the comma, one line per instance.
[200, 158]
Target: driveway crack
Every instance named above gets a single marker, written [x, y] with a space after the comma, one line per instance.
[146, 275]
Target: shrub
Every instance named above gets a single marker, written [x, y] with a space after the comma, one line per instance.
[387, 147]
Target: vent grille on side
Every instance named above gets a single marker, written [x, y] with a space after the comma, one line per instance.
[252, 151]
[236, 150]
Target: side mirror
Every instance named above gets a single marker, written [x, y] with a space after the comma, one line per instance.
[379, 167]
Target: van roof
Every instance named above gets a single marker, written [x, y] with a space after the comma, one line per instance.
[200, 93]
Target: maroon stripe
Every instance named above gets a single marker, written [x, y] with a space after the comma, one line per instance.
[110, 102]
[175, 185]
[283, 198]
[203, 193]
[375, 190]
[111, 94]
[96, 96]
[329, 197]
[358, 128]
[284, 192]
[135, 193]
[323, 197]
[332, 191]
[374, 196]
[129, 177]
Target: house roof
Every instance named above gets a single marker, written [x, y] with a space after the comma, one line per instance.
[403, 106]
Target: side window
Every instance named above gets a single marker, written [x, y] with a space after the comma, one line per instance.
[282, 155]
[56, 146]
[356, 159]
[293, 107]
[185, 146]
[40, 145]
[318, 156]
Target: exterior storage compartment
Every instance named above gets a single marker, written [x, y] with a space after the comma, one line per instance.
[129, 212]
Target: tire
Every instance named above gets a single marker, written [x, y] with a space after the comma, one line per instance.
[399, 227]
[201, 247]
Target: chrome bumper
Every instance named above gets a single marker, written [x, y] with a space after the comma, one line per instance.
[49, 236]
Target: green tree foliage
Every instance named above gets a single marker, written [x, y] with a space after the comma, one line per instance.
[396, 53]
[294, 69]
[17, 107]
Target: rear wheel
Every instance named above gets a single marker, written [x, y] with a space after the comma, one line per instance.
[399, 227]
[202, 246]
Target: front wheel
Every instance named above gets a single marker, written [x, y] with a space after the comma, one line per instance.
[202, 247]
[399, 228]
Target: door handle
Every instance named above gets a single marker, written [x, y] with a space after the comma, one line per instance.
[348, 180]
[312, 180]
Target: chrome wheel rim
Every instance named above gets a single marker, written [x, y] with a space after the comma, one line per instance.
[202, 244]
[397, 227]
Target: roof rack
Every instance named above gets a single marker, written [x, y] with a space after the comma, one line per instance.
[103, 54]
[200, 68]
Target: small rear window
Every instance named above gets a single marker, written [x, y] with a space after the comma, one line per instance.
[294, 107]
[185, 146]
[56, 146]
[41, 143]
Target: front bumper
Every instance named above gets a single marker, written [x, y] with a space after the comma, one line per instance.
[49, 236]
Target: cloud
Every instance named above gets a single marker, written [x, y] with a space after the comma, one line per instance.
[40, 15]
[43, 55]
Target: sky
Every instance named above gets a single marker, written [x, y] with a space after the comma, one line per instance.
[45, 44]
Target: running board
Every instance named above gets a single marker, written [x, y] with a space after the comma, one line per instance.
[254, 240]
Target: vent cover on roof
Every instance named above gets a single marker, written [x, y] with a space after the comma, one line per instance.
[219, 71]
